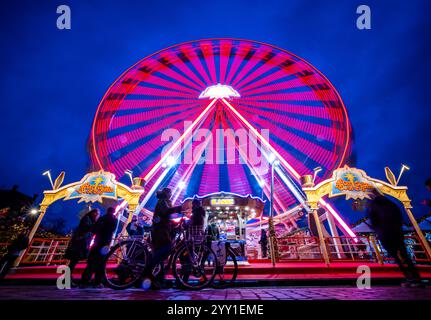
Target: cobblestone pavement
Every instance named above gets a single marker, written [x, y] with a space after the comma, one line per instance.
[255, 293]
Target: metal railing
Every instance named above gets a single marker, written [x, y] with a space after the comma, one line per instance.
[414, 248]
[346, 248]
[45, 251]
[293, 248]
[299, 248]
[366, 249]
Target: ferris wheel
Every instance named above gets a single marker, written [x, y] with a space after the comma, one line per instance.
[162, 119]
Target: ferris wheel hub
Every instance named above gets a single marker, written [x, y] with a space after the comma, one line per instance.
[219, 91]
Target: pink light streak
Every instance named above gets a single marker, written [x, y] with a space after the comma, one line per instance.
[178, 142]
[289, 167]
[263, 140]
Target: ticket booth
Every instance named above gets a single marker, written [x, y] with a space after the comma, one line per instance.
[230, 212]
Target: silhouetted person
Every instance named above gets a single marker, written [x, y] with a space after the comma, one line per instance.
[19, 244]
[213, 231]
[103, 231]
[79, 245]
[387, 220]
[198, 214]
[135, 228]
[161, 232]
[263, 243]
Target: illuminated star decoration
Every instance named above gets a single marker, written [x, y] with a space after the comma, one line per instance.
[98, 180]
[350, 177]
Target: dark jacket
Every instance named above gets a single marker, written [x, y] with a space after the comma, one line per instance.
[79, 244]
[386, 219]
[135, 229]
[104, 230]
[263, 239]
[213, 232]
[198, 216]
[160, 233]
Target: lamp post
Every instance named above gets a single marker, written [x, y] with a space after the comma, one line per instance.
[273, 162]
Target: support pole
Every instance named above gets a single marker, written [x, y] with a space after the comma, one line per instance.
[321, 238]
[271, 229]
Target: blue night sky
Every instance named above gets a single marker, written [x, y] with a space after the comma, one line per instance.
[52, 80]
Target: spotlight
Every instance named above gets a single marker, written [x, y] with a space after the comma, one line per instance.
[170, 161]
[181, 185]
[34, 211]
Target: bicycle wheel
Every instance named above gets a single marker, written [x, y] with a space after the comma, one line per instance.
[226, 272]
[194, 266]
[124, 264]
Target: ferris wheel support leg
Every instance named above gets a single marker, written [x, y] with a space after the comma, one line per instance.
[323, 247]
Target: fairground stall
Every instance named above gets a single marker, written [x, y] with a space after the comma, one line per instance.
[230, 214]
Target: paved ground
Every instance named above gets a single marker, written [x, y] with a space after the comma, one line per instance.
[255, 293]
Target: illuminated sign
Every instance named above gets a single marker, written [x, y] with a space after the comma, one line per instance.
[351, 182]
[94, 187]
[222, 202]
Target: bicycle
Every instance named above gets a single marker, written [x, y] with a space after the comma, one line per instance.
[193, 263]
[227, 269]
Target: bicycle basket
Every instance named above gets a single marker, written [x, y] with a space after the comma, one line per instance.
[196, 234]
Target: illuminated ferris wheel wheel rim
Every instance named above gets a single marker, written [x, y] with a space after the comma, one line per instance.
[347, 130]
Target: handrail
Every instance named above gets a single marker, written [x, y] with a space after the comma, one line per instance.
[291, 248]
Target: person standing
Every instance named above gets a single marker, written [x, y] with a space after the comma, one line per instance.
[79, 244]
[198, 214]
[263, 243]
[103, 231]
[161, 231]
[387, 220]
[213, 231]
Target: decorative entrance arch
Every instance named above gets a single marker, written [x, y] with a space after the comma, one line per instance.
[93, 187]
[354, 183]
